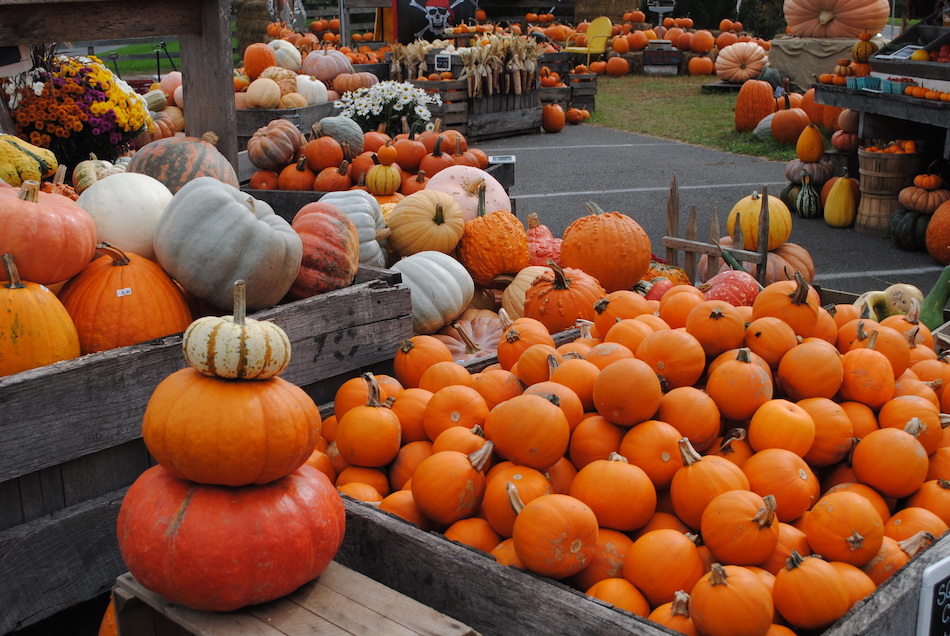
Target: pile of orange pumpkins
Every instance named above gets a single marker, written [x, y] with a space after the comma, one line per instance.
[764, 430]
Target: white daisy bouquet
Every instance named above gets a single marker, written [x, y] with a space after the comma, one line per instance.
[387, 103]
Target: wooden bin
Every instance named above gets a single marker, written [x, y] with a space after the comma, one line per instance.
[249, 120]
[884, 173]
[583, 90]
[874, 214]
[72, 444]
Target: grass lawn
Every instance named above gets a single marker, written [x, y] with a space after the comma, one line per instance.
[676, 108]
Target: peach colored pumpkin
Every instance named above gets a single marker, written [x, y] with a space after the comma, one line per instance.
[461, 183]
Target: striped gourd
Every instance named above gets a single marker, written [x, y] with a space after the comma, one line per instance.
[235, 346]
[808, 201]
[177, 160]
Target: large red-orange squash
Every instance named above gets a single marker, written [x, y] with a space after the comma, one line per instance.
[835, 18]
[202, 546]
[122, 299]
[622, 254]
[558, 299]
[177, 160]
[331, 249]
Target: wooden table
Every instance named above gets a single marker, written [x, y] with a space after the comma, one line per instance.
[340, 601]
[885, 116]
[204, 31]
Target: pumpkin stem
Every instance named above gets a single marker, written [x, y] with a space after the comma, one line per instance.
[302, 163]
[916, 542]
[915, 426]
[480, 190]
[505, 319]
[584, 326]
[943, 483]
[616, 457]
[372, 386]
[439, 217]
[29, 191]
[470, 346]
[800, 295]
[861, 335]
[855, 541]
[60, 177]
[240, 302]
[560, 280]
[437, 148]
[343, 167]
[478, 430]
[593, 208]
[210, 137]
[680, 605]
[480, 458]
[943, 417]
[552, 364]
[421, 176]
[517, 504]
[794, 560]
[765, 517]
[717, 574]
[12, 274]
[687, 452]
[731, 436]
[118, 257]
[533, 220]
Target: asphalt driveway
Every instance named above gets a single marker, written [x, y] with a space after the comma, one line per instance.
[555, 174]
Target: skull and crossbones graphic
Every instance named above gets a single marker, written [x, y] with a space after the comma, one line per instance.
[439, 15]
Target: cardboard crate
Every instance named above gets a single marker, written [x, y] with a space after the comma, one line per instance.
[72, 445]
[339, 601]
[249, 120]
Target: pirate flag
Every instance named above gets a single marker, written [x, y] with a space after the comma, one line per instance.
[428, 19]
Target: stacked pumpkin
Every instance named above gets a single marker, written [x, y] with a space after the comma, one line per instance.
[835, 422]
[231, 489]
[166, 102]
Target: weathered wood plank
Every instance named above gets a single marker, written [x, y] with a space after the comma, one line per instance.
[330, 334]
[207, 65]
[103, 472]
[470, 586]
[24, 22]
[58, 561]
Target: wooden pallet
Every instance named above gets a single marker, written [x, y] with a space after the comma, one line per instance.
[691, 247]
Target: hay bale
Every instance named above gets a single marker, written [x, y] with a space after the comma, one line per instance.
[251, 18]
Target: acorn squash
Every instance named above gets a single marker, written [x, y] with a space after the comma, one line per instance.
[908, 229]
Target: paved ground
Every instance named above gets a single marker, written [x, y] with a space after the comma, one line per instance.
[555, 174]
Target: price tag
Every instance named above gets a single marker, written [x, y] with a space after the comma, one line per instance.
[443, 62]
[933, 614]
[125, 291]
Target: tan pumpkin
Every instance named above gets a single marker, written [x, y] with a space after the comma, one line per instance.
[292, 100]
[922, 199]
[513, 298]
[425, 221]
[275, 145]
[263, 93]
[741, 61]
[285, 78]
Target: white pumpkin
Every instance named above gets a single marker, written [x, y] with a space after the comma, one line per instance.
[440, 289]
[126, 208]
[461, 183]
[287, 54]
[367, 215]
[312, 89]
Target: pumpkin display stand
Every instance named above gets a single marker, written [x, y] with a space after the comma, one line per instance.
[62, 480]
[800, 59]
[340, 601]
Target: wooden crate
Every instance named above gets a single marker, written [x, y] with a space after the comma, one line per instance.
[249, 120]
[470, 586]
[558, 62]
[583, 90]
[339, 601]
[71, 441]
[559, 94]
[455, 103]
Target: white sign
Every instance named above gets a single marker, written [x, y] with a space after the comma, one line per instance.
[933, 613]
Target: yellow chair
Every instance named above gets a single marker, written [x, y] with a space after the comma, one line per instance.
[598, 36]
